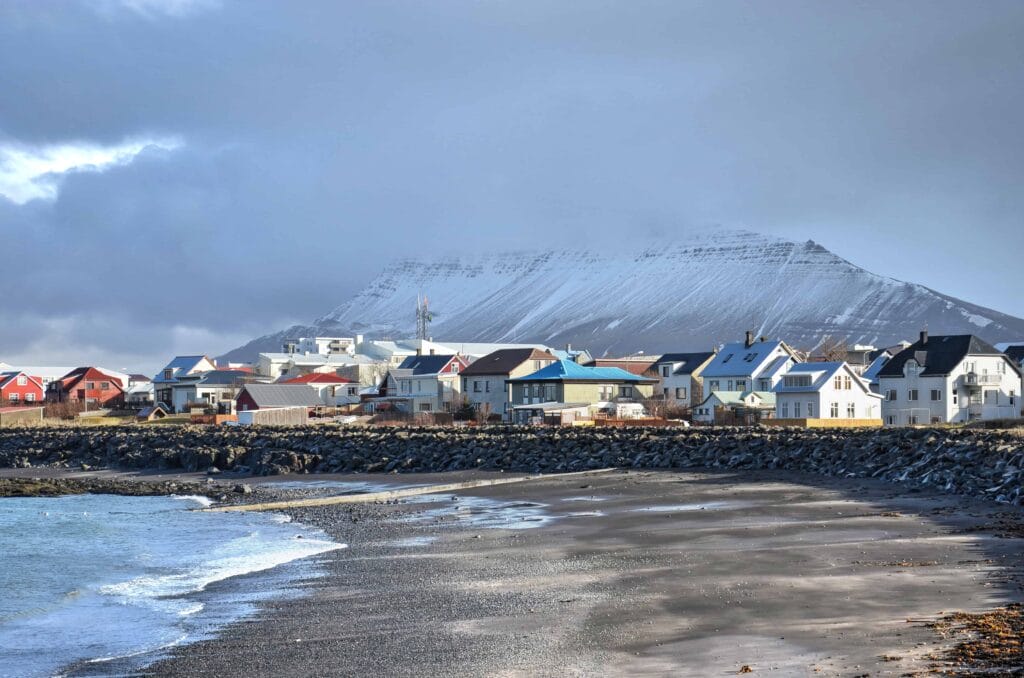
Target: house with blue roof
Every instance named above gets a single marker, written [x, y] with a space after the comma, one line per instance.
[577, 387]
[181, 366]
[831, 391]
[750, 365]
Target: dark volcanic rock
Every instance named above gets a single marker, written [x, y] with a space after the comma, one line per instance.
[972, 462]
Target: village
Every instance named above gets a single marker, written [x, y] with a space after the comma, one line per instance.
[935, 380]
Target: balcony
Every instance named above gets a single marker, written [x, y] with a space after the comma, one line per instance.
[975, 380]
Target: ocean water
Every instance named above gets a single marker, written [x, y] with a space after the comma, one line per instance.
[106, 584]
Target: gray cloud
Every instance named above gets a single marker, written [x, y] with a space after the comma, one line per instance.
[326, 138]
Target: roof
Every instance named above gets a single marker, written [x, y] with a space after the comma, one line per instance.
[1016, 353]
[738, 359]
[739, 397]
[138, 377]
[78, 374]
[872, 370]
[425, 364]
[182, 364]
[281, 395]
[7, 377]
[567, 370]
[223, 377]
[690, 361]
[503, 361]
[939, 355]
[317, 378]
[632, 365]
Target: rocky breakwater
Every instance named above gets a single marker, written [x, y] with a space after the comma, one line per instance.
[972, 462]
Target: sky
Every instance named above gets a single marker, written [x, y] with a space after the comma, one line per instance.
[179, 176]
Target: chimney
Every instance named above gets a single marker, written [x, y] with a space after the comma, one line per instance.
[568, 348]
[763, 338]
[750, 339]
[419, 351]
[924, 337]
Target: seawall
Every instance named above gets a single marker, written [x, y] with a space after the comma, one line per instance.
[979, 463]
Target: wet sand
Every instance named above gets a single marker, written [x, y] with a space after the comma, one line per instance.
[643, 573]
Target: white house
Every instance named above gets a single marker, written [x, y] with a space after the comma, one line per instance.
[949, 379]
[334, 391]
[681, 374]
[748, 366]
[755, 405]
[429, 383]
[216, 388]
[181, 366]
[831, 390]
[322, 345]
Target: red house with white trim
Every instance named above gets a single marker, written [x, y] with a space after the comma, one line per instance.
[89, 385]
[18, 388]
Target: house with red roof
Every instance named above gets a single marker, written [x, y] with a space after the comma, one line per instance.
[87, 385]
[333, 390]
[18, 388]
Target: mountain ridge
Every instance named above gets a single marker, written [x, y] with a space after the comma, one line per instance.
[657, 297]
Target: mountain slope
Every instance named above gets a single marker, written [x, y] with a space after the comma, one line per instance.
[676, 296]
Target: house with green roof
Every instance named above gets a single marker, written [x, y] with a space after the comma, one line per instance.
[577, 387]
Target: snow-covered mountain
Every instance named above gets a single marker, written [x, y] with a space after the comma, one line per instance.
[670, 297]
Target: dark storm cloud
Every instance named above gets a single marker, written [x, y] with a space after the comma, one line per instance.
[319, 140]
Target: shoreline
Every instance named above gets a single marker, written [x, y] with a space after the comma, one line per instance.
[437, 595]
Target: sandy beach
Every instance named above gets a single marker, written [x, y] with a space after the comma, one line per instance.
[627, 573]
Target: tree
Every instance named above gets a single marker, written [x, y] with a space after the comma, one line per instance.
[832, 349]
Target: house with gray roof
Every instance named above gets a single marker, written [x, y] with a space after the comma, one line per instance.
[949, 379]
[750, 365]
[682, 377]
[276, 396]
[827, 390]
[484, 384]
[427, 383]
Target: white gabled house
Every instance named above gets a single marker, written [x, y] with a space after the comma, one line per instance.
[748, 366]
[827, 390]
[428, 383]
[681, 375]
[949, 379]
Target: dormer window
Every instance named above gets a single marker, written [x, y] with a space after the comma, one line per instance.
[912, 367]
[168, 374]
[727, 358]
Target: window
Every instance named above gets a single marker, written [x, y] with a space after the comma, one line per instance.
[955, 396]
[741, 384]
[353, 390]
[890, 394]
[912, 420]
[837, 383]
[891, 420]
[31, 397]
[728, 385]
[424, 407]
[796, 410]
[476, 386]
[1013, 397]
[626, 391]
[851, 411]
[847, 383]
[834, 410]
[912, 394]
[104, 386]
[810, 410]
[991, 397]
[550, 393]
[13, 397]
[666, 370]
[664, 392]
[605, 392]
[681, 393]
[22, 380]
[797, 380]
[764, 384]
[749, 357]
[714, 385]
[487, 386]
[936, 395]
[90, 385]
[169, 374]
[785, 410]
[727, 358]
